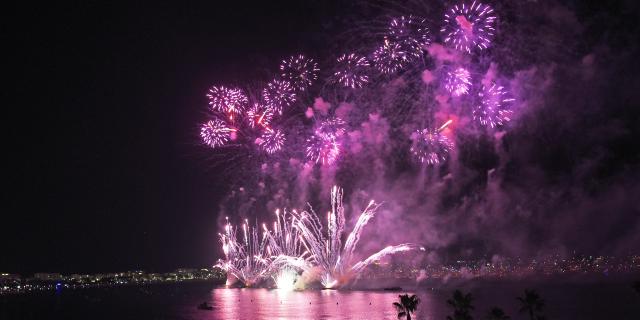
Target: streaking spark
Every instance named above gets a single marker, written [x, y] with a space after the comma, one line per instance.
[335, 259]
[331, 128]
[245, 259]
[494, 107]
[466, 27]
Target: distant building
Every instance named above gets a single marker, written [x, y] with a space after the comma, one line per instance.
[47, 276]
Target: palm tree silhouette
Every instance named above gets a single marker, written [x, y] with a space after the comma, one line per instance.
[407, 305]
[532, 304]
[461, 304]
[497, 314]
[636, 286]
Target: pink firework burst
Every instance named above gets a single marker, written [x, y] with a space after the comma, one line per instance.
[323, 150]
[215, 133]
[259, 115]
[230, 101]
[411, 32]
[278, 95]
[331, 128]
[299, 71]
[271, 140]
[494, 107]
[458, 81]
[351, 70]
[430, 146]
[466, 27]
[390, 57]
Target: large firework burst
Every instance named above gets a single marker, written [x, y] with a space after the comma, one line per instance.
[468, 26]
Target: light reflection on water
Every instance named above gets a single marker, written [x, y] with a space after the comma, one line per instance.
[310, 304]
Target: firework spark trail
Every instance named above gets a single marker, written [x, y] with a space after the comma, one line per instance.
[458, 81]
[285, 244]
[494, 107]
[466, 27]
[246, 260]
[216, 133]
[351, 70]
[230, 101]
[299, 71]
[359, 267]
[327, 250]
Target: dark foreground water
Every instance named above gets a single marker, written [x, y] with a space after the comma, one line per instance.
[564, 300]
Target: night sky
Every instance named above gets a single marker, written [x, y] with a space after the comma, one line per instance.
[101, 120]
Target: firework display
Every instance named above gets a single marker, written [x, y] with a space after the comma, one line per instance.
[299, 71]
[298, 243]
[469, 26]
[458, 81]
[351, 70]
[493, 109]
[393, 88]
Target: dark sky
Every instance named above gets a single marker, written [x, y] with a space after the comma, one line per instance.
[101, 125]
[103, 101]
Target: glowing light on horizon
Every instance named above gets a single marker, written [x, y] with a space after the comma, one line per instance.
[466, 27]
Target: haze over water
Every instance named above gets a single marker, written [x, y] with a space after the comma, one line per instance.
[179, 301]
